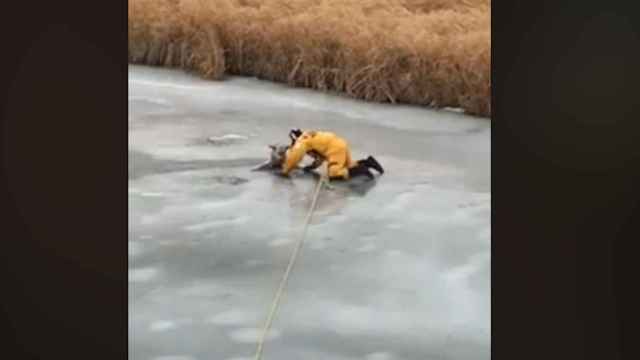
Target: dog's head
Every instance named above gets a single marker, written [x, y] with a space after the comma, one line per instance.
[276, 158]
[278, 154]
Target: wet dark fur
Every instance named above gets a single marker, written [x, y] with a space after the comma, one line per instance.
[276, 158]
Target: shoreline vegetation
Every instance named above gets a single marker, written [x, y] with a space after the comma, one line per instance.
[434, 53]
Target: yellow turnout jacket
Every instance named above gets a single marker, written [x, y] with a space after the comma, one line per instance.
[328, 145]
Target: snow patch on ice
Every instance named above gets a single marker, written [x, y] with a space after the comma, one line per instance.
[232, 317]
[379, 356]
[252, 335]
[152, 100]
[216, 223]
[454, 110]
[147, 220]
[152, 194]
[228, 139]
[162, 325]
[280, 242]
[142, 274]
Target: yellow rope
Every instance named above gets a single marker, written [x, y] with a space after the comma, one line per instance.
[285, 277]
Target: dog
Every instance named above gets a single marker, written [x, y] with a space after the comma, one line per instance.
[276, 158]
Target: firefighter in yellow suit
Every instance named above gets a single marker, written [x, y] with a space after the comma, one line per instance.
[327, 146]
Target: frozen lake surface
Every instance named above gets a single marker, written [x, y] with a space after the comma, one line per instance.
[396, 270]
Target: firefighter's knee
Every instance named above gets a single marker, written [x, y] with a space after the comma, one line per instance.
[336, 171]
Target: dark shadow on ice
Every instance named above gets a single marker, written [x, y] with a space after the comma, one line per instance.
[229, 180]
[359, 185]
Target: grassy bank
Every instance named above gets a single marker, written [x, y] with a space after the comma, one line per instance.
[428, 52]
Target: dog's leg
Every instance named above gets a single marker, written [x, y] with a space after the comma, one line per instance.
[264, 166]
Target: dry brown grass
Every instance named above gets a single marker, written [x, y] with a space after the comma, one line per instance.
[428, 52]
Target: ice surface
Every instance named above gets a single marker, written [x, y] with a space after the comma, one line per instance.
[398, 269]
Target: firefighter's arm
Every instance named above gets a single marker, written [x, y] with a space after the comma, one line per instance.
[294, 156]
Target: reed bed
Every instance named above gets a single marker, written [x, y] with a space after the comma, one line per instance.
[428, 52]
